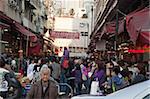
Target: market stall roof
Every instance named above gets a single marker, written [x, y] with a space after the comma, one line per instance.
[16, 25]
[144, 36]
[4, 26]
[110, 28]
[24, 31]
[136, 22]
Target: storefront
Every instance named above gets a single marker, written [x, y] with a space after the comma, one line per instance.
[14, 37]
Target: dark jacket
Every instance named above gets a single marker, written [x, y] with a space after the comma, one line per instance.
[139, 78]
[36, 91]
[78, 76]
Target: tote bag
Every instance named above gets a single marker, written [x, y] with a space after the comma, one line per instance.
[95, 90]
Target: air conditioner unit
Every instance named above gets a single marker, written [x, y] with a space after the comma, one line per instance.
[17, 8]
[12, 2]
[83, 10]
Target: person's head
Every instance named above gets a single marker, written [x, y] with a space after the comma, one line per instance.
[141, 68]
[100, 65]
[65, 48]
[53, 59]
[121, 63]
[39, 61]
[45, 73]
[116, 70]
[80, 61]
[43, 61]
[32, 61]
[36, 61]
[88, 64]
[77, 67]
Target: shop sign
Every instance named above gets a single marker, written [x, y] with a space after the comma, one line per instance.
[65, 35]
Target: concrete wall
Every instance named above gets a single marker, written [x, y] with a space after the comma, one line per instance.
[10, 10]
[72, 25]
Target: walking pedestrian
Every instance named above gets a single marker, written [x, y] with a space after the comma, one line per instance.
[56, 69]
[45, 88]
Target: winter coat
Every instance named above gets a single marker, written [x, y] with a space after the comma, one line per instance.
[138, 78]
[36, 91]
[78, 76]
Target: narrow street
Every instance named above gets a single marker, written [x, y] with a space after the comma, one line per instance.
[74, 49]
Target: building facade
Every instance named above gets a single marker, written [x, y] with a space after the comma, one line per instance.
[21, 23]
[72, 19]
[111, 29]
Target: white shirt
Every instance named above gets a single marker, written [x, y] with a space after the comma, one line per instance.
[30, 69]
[13, 63]
[3, 82]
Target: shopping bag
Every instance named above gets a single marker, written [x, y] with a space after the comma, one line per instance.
[65, 64]
[84, 78]
[95, 90]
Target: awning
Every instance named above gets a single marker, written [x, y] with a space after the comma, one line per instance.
[35, 50]
[111, 26]
[136, 22]
[17, 25]
[4, 26]
[5, 18]
[24, 31]
[144, 37]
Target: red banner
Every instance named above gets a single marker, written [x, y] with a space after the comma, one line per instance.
[66, 35]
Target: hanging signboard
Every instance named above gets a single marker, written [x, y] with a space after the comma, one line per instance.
[65, 35]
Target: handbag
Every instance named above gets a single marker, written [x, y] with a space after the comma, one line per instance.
[95, 90]
[84, 78]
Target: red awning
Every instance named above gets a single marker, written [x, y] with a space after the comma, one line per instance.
[18, 26]
[35, 50]
[26, 32]
[136, 22]
[110, 28]
[144, 37]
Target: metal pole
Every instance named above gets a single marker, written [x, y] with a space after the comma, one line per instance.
[92, 20]
[0, 40]
[116, 36]
[27, 45]
[87, 34]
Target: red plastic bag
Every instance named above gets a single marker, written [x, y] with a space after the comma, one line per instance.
[65, 64]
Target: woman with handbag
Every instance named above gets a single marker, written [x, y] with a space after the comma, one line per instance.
[99, 75]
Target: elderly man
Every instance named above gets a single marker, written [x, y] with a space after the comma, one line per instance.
[45, 88]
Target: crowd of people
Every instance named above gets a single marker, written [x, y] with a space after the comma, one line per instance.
[40, 76]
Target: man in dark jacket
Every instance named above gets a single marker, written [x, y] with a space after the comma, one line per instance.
[45, 88]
